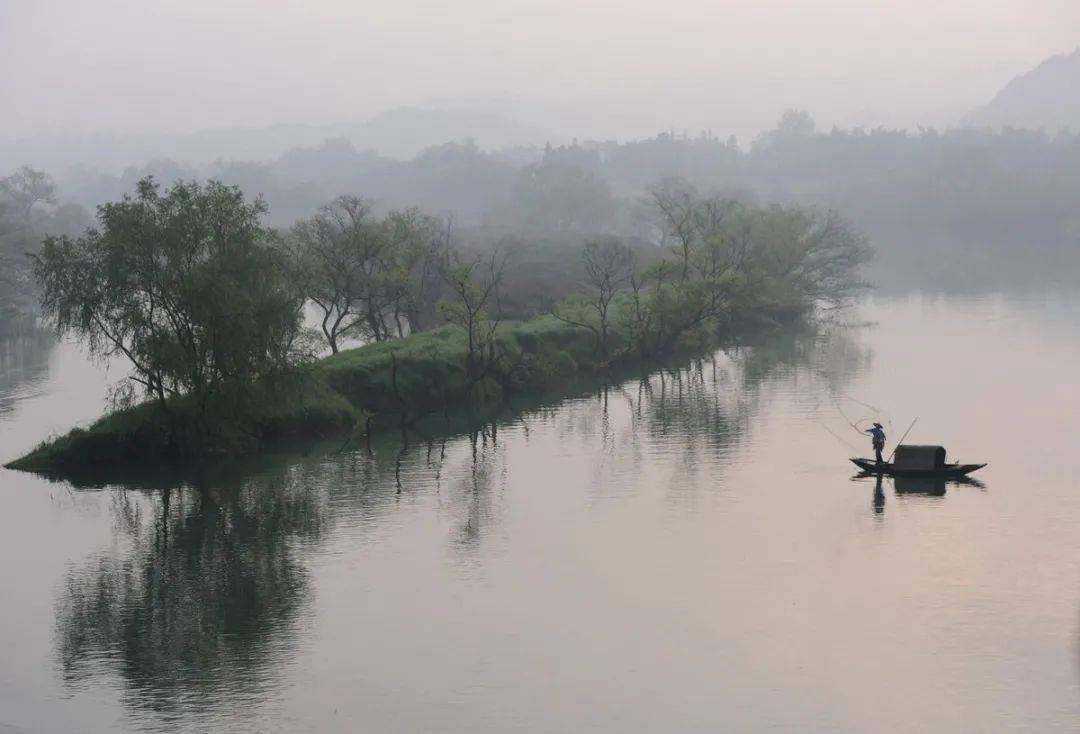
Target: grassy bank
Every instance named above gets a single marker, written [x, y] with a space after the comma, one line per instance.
[232, 424]
[338, 395]
[427, 372]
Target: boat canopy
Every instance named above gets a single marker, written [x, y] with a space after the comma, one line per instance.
[919, 458]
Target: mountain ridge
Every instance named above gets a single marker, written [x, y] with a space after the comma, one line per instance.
[1045, 98]
[401, 133]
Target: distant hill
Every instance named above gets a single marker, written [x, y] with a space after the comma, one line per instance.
[1047, 98]
[399, 133]
[405, 132]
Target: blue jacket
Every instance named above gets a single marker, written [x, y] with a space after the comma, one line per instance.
[878, 435]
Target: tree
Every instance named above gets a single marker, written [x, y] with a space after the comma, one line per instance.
[804, 258]
[664, 307]
[21, 235]
[733, 258]
[475, 303]
[184, 284]
[26, 189]
[12, 280]
[557, 196]
[17, 240]
[609, 267]
[361, 271]
[420, 245]
[793, 125]
[673, 201]
[333, 258]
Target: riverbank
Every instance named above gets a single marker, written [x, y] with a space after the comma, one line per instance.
[341, 394]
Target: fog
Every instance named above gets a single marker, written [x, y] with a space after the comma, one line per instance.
[609, 70]
[550, 122]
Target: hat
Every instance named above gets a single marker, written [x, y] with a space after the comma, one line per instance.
[877, 425]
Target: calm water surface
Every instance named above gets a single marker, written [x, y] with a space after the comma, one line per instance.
[685, 553]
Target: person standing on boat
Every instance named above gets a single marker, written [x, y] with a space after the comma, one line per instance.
[877, 435]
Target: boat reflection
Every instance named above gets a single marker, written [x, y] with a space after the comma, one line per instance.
[912, 485]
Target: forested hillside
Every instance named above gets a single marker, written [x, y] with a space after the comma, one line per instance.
[954, 208]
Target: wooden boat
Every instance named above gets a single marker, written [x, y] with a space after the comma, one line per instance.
[923, 461]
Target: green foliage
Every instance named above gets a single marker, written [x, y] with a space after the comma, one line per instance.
[184, 284]
[730, 259]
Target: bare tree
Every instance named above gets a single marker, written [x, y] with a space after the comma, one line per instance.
[609, 267]
[367, 274]
[474, 284]
[334, 259]
[674, 201]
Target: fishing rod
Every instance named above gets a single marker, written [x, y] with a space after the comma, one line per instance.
[877, 410]
[903, 437]
[856, 400]
[834, 435]
[847, 420]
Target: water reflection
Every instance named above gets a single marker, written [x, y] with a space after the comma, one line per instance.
[704, 411]
[202, 601]
[199, 608]
[679, 550]
[24, 364]
[930, 487]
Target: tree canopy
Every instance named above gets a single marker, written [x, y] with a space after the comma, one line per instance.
[184, 284]
[368, 276]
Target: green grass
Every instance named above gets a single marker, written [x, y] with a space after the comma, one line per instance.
[431, 366]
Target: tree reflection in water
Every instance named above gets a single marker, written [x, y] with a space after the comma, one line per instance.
[208, 590]
[703, 410]
[24, 363]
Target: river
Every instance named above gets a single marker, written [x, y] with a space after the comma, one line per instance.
[687, 552]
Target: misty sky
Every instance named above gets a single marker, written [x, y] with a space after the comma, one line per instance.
[612, 69]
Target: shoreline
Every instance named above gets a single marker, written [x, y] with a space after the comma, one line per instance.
[345, 395]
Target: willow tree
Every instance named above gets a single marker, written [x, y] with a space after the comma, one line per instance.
[184, 284]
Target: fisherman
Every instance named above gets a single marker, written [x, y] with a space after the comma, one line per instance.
[877, 435]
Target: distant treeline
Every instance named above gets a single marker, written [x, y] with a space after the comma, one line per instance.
[29, 210]
[951, 208]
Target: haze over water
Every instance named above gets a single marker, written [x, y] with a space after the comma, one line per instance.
[687, 553]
